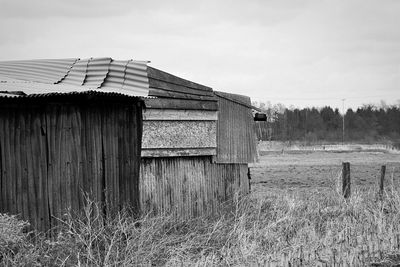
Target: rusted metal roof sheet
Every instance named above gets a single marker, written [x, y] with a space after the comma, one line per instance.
[236, 140]
[102, 74]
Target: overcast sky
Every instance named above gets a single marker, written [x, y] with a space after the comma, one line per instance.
[300, 53]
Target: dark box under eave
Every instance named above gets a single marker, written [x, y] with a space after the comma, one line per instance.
[55, 148]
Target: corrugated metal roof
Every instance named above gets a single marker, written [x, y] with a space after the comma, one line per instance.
[41, 70]
[96, 72]
[8, 89]
[77, 74]
[67, 95]
[128, 76]
[30, 88]
[102, 74]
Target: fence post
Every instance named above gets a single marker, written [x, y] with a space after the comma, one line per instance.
[346, 189]
[249, 177]
[382, 180]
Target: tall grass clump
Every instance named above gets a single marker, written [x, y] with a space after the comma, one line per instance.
[308, 228]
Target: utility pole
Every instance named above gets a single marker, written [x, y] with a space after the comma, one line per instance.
[343, 120]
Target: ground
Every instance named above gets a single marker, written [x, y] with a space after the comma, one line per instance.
[306, 169]
[286, 221]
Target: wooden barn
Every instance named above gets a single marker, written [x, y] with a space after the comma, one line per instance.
[127, 134]
[64, 133]
[196, 147]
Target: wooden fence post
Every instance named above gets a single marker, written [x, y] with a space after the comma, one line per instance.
[382, 180]
[249, 177]
[346, 189]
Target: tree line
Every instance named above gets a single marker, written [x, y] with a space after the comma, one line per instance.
[368, 123]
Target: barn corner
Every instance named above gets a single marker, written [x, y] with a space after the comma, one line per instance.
[197, 144]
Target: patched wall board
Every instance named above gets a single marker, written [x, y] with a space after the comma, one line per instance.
[179, 133]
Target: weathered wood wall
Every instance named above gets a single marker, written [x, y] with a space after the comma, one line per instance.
[189, 186]
[51, 154]
[236, 139]
[165, 85]
[182, 130]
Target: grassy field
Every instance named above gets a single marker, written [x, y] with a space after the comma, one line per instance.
[298, 169]
[293, 217]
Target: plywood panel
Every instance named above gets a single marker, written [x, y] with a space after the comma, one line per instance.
[179, 134]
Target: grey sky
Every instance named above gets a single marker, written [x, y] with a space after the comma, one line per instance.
[300, 52]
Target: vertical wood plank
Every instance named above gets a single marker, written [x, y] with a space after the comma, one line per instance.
[6, 194]
[115, 129]
[105, 139]
[76, 158]
[10, 144]
[31, 172]
[43, 163]
[85, 165]
[67, 161]
[62, 201]
[50, 164]
[58, 194]
[122, 162]
[18, 166]
[24, 168]
[4, 154]
[100, 184]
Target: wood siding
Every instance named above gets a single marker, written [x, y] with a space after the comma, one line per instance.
[52, 153]
[180, 104]
[163, 84]
[236, 139]
[189, 186]
[181, 115]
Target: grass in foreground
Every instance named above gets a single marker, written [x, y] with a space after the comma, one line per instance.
[309, 229]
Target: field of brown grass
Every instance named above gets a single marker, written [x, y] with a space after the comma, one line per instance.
[293, 217]
[304, 169]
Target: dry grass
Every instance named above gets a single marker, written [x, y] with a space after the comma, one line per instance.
[308, 228]
[312, 170]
